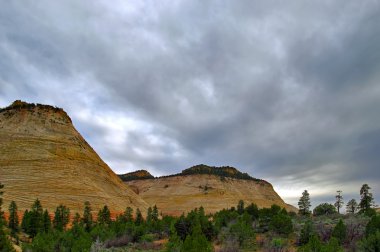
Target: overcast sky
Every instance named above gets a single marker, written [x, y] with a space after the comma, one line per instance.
[288, 91]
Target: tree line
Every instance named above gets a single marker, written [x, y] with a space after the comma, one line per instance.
[244, 226]
[365, 206]
[223, 172]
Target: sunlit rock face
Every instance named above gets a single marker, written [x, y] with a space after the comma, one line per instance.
[43, 156]
[221, 188]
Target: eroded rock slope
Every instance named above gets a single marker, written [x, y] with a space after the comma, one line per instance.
[43, 156]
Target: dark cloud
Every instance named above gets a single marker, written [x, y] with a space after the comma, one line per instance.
[285, 91]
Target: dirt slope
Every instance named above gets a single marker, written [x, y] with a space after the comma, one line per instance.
[43, 156]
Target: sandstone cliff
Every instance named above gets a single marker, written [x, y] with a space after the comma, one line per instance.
[43, 156]
[140, 174]
[183, 192]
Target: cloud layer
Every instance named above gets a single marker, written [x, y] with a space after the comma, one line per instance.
[287, 92]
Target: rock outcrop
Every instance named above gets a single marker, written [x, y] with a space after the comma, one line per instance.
[140, 174]
[214, 188]
[43, 156]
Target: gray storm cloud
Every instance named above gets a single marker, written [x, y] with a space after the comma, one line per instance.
[287, 92]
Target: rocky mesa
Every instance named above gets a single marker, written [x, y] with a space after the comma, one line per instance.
[214, 188]
[43, 156]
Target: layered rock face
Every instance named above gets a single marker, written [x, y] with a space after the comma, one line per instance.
[43, 156]
[183, 192]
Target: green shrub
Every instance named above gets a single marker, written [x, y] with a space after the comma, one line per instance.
[281, 224]
[5, 245]
[313, 245]
[306, 232]
[279, 244]
[147, 238]
[324, 209]
[196, 241]
[340, 232]
[371, 243]
[175, 242]
[373, 225]
[242, 230]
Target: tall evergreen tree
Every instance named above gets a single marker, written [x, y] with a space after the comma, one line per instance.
[196, 241]
[104, 216]
[46, 221]
[304, 203]
[149, 215]
[338, 200]
[240, 207]
[253, 210]
[128, 214]
[352, 206]
[25, 222]
[61, 217]
[76, 219]
[139, 218]
[155, 213]
[366, 201]
[13, 222]
[36, 218]
[87, 216]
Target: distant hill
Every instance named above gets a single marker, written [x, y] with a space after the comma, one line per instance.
[43, 156]
[223, 171]
[136, 175]
[214, 188]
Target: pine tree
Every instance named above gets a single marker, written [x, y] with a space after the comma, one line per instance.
[87, 217]
[196, 241]
[46, 221]
[304, 203]
[128, 214]
[76, 219]
[338, 200]
[366, 201]
[155, 213]
[104, 216]
[240, 207]
[139, 219]
[36, 218]
[13, 222]
[25, 223]
[149, 215]
[61, 217]
[352, 206]
[253, 210]
[182, 227]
